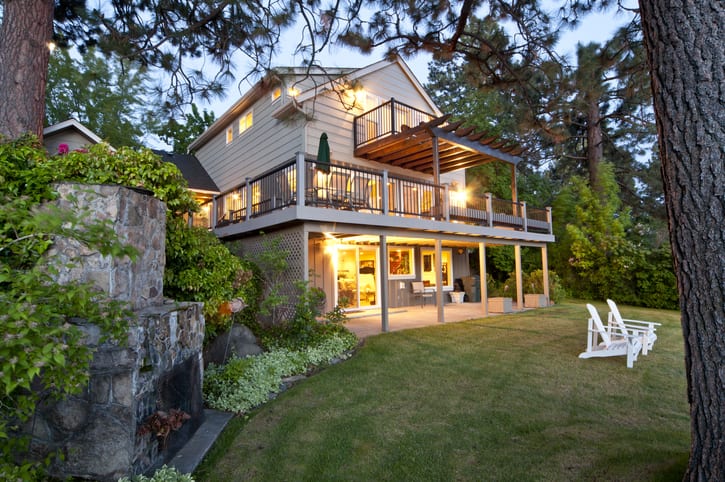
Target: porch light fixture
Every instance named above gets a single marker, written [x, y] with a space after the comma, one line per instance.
[293, 91]
[51, 46]
[458, 198]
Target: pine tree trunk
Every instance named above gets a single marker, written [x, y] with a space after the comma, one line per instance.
[684, 42]
[27, 27]
[595, 146]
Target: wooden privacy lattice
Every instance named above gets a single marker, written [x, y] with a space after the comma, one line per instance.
[291, 241]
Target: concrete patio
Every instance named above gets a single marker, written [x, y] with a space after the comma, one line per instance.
[368, 323]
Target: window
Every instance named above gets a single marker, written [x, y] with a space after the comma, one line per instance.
[400, 263]
[428, 262]
[230, 135]
[276, 93]
[246, 121]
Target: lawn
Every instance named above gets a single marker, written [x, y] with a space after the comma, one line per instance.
[501, 398]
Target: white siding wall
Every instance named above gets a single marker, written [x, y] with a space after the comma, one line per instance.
[268, 143]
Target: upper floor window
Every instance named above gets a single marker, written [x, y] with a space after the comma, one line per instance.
[246, 121]
[230, 135]
[276, 93]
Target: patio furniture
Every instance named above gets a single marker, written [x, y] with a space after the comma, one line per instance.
[645, 330]
[621, 345]
[419, 292]
[360, 193]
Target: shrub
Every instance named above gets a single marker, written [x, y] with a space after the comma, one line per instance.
[164, 474]
[200, 268]
[245, 383]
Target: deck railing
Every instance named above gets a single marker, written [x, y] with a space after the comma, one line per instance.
[389, 118]
[373, 192]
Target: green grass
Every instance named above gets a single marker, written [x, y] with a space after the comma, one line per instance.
[502, 398]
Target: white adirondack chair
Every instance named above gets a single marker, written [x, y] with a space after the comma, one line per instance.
[645, 330]
[624, 345]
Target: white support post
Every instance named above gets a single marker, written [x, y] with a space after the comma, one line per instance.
[525, 223]
[489, 208]
[447, 203]
[439, 280]
[519, 278]
[545, 275]
[549, 220]
[386, 194]
[482, 274]
[384, 284]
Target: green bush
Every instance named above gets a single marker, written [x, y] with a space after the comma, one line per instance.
[200, 268]
[243, 384]
[42, 356]
[164, 474]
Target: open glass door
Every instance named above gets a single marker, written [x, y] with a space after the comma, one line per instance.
[357, 276]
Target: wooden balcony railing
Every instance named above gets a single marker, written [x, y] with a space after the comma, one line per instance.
[372, 192]
[386, 119]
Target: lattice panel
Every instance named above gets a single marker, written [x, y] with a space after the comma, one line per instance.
[291, 240]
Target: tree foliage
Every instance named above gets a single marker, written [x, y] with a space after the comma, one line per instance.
[596, 254]
[181, 134]
[108, 96]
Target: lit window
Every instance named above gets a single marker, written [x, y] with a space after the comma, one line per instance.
[276, 93]
[230, 135]
[428, 264]
[246, 121]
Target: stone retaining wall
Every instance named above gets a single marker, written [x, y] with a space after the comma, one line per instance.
[159, 369]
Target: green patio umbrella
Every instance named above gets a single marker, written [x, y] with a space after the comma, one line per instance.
[323, 154]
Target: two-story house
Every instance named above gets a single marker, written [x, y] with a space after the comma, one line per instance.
[388, 212]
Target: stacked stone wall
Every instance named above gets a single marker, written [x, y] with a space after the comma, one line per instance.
[160, 368]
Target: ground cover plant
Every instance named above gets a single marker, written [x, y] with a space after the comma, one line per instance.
[501, 398]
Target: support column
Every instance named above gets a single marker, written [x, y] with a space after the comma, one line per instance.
[519, 278]
[384, 284]
[545, 275]
[482, 274]
[439, 280]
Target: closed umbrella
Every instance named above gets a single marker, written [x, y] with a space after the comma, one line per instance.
[323, 154]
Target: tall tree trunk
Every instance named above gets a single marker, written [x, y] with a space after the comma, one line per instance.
[27, 27]
[684, 42]
[595, 145]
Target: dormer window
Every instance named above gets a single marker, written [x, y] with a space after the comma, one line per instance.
[246, 121]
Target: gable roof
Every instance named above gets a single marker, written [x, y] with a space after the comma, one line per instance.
[354, 74]
[333, 76]
[72, 124]
[192, 170]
